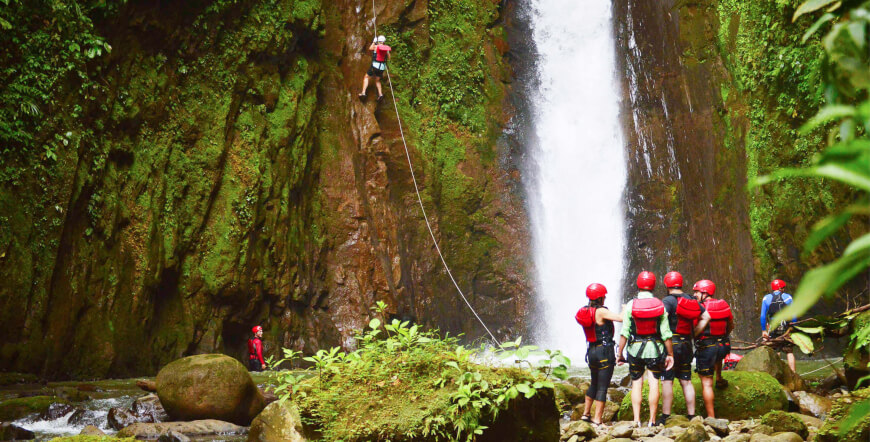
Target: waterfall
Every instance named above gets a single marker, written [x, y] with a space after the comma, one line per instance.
[579, 168]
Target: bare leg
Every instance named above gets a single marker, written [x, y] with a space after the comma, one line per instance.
[790, 358]
[653, 397]
[365, 85]
[599, 412]
[636, 397]
[667, 396]
[587, 407]
[707, 393]
[689, 393]
[378, 84]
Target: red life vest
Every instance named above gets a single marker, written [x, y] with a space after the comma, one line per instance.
[381, 53]
[645, 314]
[586, 318]
[720, 313]
[688, 311]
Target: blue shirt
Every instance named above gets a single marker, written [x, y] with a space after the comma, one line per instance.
[765, 305]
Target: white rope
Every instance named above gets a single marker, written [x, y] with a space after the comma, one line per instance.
[420, 199]
[822, 368]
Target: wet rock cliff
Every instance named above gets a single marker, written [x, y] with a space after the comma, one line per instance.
[223, 173]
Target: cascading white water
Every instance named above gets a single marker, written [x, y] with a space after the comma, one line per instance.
[580, 169]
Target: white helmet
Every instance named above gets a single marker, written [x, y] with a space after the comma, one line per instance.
[381, 39]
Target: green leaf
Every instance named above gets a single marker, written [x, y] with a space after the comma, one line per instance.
[561, 372]
[803, 342]
[809, 330]
[810, 6]
[815, 27]
[452, 364]
[562, 359]
[823, 229]
[856, 415]
[374, 323]
[522, 353]
[523, 388]
[826, 114]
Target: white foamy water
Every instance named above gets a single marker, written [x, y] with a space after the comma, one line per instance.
[580, 169]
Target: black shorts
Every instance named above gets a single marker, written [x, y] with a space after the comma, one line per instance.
[709, 352]
[601, 357]
[636, 366]
[785, 346]
[254, 365]
[683, 354]
[375, 72]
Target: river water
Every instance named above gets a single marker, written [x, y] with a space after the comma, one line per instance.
[579, 169]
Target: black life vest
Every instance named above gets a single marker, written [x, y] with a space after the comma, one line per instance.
[688, 312]
[645, 314]
[594, 333]
[720, 312]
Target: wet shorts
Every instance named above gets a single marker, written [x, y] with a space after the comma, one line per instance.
[683, 354]
[636, 366]
[376, 69]
[710, 351]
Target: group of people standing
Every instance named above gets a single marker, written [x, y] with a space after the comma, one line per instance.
[662, 337]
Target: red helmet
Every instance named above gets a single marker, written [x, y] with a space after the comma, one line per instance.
[595, 291]
[257, 329]
[673, 279]
[705, 286]
[646, 280]
[777, 284]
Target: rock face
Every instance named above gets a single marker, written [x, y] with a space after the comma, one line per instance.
[209, 387]
[232, 177]
[278, 421]
[749, 395]
[767, 360]
[533, 420]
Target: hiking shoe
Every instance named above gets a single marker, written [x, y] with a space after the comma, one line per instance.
[586, 418]
[380, 97]
[361, 95]
[662, 419]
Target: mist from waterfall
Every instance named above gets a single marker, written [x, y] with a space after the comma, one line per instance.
[579, 168]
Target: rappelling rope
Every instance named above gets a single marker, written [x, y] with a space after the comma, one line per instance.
[820, 369]
[420, 199]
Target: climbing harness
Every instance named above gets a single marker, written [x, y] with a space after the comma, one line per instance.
[420, 198]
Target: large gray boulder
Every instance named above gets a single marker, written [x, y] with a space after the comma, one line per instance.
[209, 387]
[278, 421]
[767, 360]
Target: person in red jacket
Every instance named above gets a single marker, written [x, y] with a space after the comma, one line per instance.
[255, 350]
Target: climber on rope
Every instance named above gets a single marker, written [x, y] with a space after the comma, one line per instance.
[597, 323]
[770, 306]
[684, 311]
[255, 350]
[649, 344]
[380, 57]
[713, 343]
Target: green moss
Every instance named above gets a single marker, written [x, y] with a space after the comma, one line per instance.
[784, 421]
[841, 410]
[12, 409]
[749, 395]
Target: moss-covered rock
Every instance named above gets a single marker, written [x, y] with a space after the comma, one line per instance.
[843, 408]
[783, 421]
[766, 360]
[749, 394]
[17, 378]
[278, 421]
[209, 387]
[856, 359]
[93, 438]
[12, 409]
[695, 432]
[568, 395]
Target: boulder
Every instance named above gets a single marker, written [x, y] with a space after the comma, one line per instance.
[197, 428]
[843, 407]
[278, 421]
[720, 426]
[674, 432]
[737, 437]
[209, 387]
[855, 358]
[782, 421]
[677, 420]
[13, 409]
[71, 394]
[625, 381]
[610, 410]
[580, 429]
[778, 437]
[173, 436]
[622, 429]
[92, 430]
[149, 406]
[766, 360]
[659, 438]
[694, 433]
[56, 411]
[567, 395]
[119, 418]
[749, 395]
[10, 431]
[644, 432]
[810, 421]
[532, 419]
[812, 404]
[615, 395]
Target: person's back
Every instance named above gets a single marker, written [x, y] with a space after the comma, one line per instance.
[597, 323]
[771, 304]
[255, 350]
[712, 341]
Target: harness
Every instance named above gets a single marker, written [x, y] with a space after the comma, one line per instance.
[645, 314]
